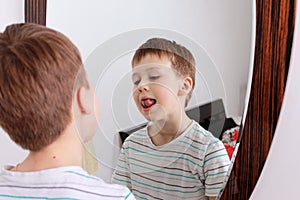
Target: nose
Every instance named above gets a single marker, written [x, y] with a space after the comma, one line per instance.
[143, 87]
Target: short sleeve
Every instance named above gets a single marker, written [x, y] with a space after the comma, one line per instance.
[216, 165]
[121, 174]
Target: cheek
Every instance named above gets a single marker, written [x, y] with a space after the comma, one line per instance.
[164, 91]
[135, 96]
[136, 99]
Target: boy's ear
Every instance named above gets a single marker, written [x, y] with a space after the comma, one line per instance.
[186, 86]
[84, 101]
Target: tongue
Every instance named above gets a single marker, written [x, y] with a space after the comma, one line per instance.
[149, 102]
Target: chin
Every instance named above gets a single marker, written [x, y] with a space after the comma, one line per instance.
[147, 117]
[155, 118]
[155, 115]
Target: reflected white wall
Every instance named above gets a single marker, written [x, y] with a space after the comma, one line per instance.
[11, 12]
[222, 28]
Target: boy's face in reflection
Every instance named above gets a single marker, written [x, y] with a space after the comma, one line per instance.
[156, 87]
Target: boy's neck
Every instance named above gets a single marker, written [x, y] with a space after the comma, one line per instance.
[67, 150]
[164, 132]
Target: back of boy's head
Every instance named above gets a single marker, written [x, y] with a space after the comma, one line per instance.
[181, 58]
[38, 69]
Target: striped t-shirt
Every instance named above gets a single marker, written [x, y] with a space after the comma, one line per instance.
[58, 183]
[192, 166]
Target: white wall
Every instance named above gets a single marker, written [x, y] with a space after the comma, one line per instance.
[217, 31]
[280, 176]
[11, 12]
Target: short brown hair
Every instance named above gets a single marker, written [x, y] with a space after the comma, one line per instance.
[181, 58]
[38, 69]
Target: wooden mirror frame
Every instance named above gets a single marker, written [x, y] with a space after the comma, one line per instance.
[274, 37]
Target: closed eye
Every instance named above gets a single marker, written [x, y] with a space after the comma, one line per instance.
[136, 79]
[153, 77]
[136, 82]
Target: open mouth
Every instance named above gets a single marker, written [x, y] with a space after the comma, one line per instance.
[148, 103]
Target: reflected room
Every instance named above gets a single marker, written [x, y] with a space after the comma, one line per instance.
[218, 33]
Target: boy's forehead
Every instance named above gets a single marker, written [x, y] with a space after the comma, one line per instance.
[140, 68]
[151, 61]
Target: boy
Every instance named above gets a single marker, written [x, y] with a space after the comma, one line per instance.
[47, 107]
[173, 157]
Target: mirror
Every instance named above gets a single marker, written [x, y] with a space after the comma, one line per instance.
[243, 181]
[219, 34]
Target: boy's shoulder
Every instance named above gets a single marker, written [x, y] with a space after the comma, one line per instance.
[67, 177]
[139, 135]
[202, 133]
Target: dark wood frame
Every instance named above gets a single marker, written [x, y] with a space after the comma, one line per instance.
[274, 36]
[35, 11]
